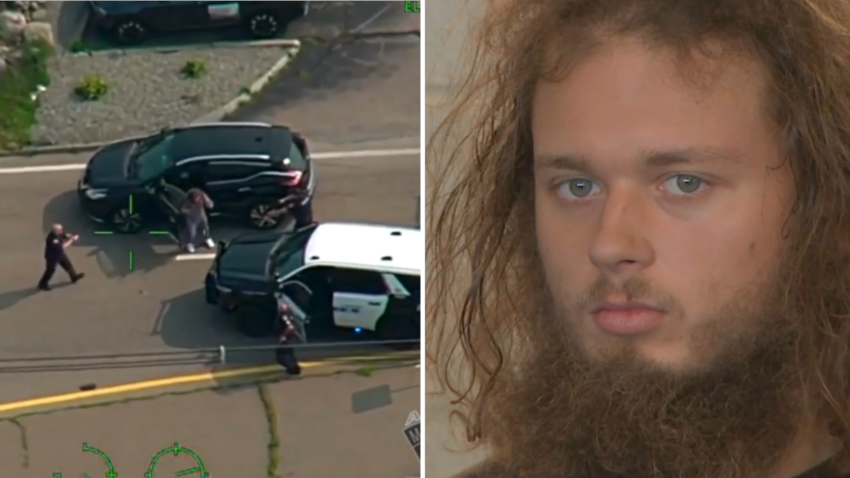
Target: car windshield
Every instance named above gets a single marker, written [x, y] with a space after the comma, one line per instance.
[152, 157]
[289, 254]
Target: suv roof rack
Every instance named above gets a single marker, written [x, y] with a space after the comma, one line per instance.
[257, 124]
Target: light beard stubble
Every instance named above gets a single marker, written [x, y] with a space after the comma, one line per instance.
[565, 415]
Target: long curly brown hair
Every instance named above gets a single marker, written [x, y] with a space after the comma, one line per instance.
[480, 211]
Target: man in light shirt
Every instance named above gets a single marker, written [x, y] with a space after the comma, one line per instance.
[197, 223]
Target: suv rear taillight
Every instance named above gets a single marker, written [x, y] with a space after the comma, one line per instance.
[293, 178]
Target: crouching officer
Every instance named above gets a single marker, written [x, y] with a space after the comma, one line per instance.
[285, 354]
[54, 255]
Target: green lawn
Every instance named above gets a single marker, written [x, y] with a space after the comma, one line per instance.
[17, 84]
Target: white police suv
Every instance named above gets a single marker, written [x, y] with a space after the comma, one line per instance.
[356, 276]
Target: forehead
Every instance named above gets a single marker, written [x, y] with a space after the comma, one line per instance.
[626, 95]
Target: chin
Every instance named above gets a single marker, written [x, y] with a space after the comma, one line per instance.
[673, 358]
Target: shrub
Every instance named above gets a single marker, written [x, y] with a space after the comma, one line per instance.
[36, 54]
[92, 88]
[22, 78]
[77, 47]
[194, 69]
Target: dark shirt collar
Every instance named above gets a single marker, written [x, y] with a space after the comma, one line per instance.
[488, 469]
[824, 470]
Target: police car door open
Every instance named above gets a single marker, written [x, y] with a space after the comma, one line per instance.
[298, 314]
[169, 214]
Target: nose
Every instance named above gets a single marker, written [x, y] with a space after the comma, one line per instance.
[621, 246]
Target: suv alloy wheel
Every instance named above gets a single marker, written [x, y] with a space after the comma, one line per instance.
[260, 216]
[126, 222]
[263, 25]
[130, 32]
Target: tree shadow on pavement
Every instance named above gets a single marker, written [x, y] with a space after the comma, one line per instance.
[328, 20]
[112, 252]
[187, 322]
[319, 72]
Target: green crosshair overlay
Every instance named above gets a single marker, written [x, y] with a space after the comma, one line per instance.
[110, 470]
[200, 471]
[130, 211]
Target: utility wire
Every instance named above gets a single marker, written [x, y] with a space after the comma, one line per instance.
[215, 351]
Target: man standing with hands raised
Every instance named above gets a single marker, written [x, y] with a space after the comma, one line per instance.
[54, 255]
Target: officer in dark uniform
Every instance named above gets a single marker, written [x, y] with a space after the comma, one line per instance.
[286, 355]
[54, 255]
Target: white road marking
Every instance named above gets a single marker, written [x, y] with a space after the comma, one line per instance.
[195, 256]
[53, 168]
[374, 17]
[376, 153]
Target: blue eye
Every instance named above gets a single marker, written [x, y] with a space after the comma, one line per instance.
[683, 184]
[576, 188]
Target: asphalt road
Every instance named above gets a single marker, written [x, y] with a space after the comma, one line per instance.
[321, 423]
[448, 24]
[356, 96]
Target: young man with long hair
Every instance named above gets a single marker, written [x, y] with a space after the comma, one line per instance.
[197, 226]
[641, 248]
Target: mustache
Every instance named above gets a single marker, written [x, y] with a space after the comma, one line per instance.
[634, 289]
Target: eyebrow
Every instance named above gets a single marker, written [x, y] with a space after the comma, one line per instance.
[650, 159]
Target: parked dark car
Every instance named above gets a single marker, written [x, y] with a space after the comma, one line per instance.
[134, 22]
[257, 173]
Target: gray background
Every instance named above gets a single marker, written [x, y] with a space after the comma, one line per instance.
[446, 26]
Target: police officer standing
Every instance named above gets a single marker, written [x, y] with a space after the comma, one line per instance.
[285, 353]
[54, 255]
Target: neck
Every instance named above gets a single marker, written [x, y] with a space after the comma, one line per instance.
[811, 447]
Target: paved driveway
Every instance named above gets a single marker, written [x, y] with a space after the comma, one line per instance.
[360, 96]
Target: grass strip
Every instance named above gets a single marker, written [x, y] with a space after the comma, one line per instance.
[271, 421]
[25, 445]
[21, 79]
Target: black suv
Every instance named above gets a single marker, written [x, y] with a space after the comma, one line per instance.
[132, 22]
[258, 173]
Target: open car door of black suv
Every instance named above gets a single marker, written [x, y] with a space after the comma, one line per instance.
[167, 200]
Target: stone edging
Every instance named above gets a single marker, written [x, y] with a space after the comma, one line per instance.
[284, 43]
[215, 115]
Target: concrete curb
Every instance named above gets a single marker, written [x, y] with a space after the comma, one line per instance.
[215, 115]
[283, 43]
[255, 88]
[328, 369]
